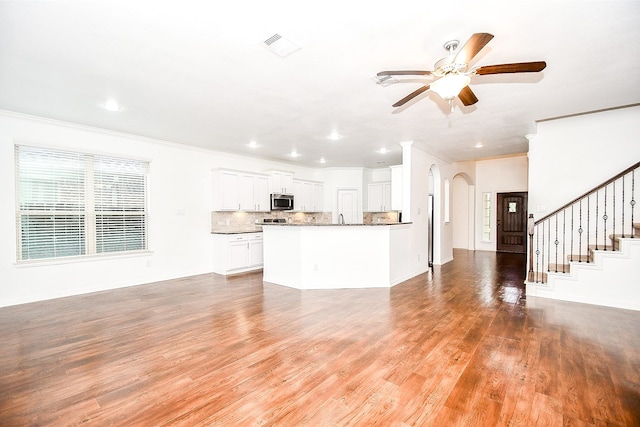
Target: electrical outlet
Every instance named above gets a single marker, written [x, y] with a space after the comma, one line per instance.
[418, 257]
[315, 267]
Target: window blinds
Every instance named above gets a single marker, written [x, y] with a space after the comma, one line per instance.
[73, 204]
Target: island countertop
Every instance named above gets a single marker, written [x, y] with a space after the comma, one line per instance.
[332, 256]
[310, 224]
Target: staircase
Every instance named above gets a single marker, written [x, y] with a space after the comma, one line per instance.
[588, 251]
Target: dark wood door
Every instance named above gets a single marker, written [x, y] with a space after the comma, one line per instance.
[512, 222]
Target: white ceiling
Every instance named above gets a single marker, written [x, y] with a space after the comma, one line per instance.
[197, 72]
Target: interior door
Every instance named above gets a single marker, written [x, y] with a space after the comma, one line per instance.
[511, 230]
[348, 206]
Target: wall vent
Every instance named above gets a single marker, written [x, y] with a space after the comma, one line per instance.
[280, 46]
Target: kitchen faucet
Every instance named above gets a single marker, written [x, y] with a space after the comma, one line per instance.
[340, 219]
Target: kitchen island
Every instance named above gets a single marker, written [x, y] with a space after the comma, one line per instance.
[331, 256]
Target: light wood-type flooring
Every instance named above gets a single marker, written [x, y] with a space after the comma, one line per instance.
[459, 346]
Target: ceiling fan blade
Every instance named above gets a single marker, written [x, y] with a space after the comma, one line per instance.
[470, 49]
[405, 73]
[411, 96]
[521, 67]
[467, 96]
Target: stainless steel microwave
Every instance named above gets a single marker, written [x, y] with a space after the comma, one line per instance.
[281, 202]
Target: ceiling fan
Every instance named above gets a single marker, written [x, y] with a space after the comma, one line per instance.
[454, 75]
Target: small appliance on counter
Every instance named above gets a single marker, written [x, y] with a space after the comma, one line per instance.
[274, 221]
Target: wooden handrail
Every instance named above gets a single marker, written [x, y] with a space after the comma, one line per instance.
[593, 190]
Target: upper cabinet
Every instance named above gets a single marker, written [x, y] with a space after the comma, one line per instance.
[379, 197]
[281, 182]
[240, 191]
[308, 196]
[254, 193]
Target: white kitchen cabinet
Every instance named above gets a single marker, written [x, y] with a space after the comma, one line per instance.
[226, 186]
[379, 197]
[261, 193]
[308, 196]
[254, 193]
[237, 253]
[236, 190]
[281, 182]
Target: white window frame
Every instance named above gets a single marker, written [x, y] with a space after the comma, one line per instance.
[486, 216]
[122, 202]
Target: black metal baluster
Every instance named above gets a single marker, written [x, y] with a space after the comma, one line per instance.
[543, 246]
[564, 238]
[633, 201]
[588, 226]
[604, 218]
[571, 252]
[622, 206]
[556, 243]
[613, 217]
[597, 206]
[537, 253]
[580, 233]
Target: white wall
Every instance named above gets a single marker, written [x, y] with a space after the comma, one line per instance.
[461, 221]
[416, 165]
[341, 178]
[572, 155]
[179, 207]
[501, 175]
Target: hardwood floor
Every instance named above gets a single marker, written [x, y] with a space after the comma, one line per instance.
[457, 347]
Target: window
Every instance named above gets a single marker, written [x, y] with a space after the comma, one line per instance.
[486, 217]
[447, 193]
[73, 204]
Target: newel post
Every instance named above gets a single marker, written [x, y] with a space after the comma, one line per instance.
[530, 229]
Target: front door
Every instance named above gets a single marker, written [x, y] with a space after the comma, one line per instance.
[512, 222]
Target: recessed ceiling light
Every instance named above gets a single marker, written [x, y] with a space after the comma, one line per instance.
[322, 160]
[479, 145]
[253, 144]
[334, 136]
[383, 150]
[112, 105]
[294, 154]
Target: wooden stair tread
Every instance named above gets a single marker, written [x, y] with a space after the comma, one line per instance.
[601, 248]
[620, 236]
[579, 258]
[534, 277]
[559, 268]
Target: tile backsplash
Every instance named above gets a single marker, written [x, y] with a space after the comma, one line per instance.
[243, 221]
[222, 221]
[380, 217]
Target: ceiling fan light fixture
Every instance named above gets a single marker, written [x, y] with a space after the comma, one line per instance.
[449, 86]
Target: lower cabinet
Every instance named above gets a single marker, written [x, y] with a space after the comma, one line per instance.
[237, 253]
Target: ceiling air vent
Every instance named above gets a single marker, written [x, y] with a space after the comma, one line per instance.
[280, 45]
[384, 80]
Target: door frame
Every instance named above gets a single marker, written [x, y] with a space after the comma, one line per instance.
[523, 217]
[358, 212]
